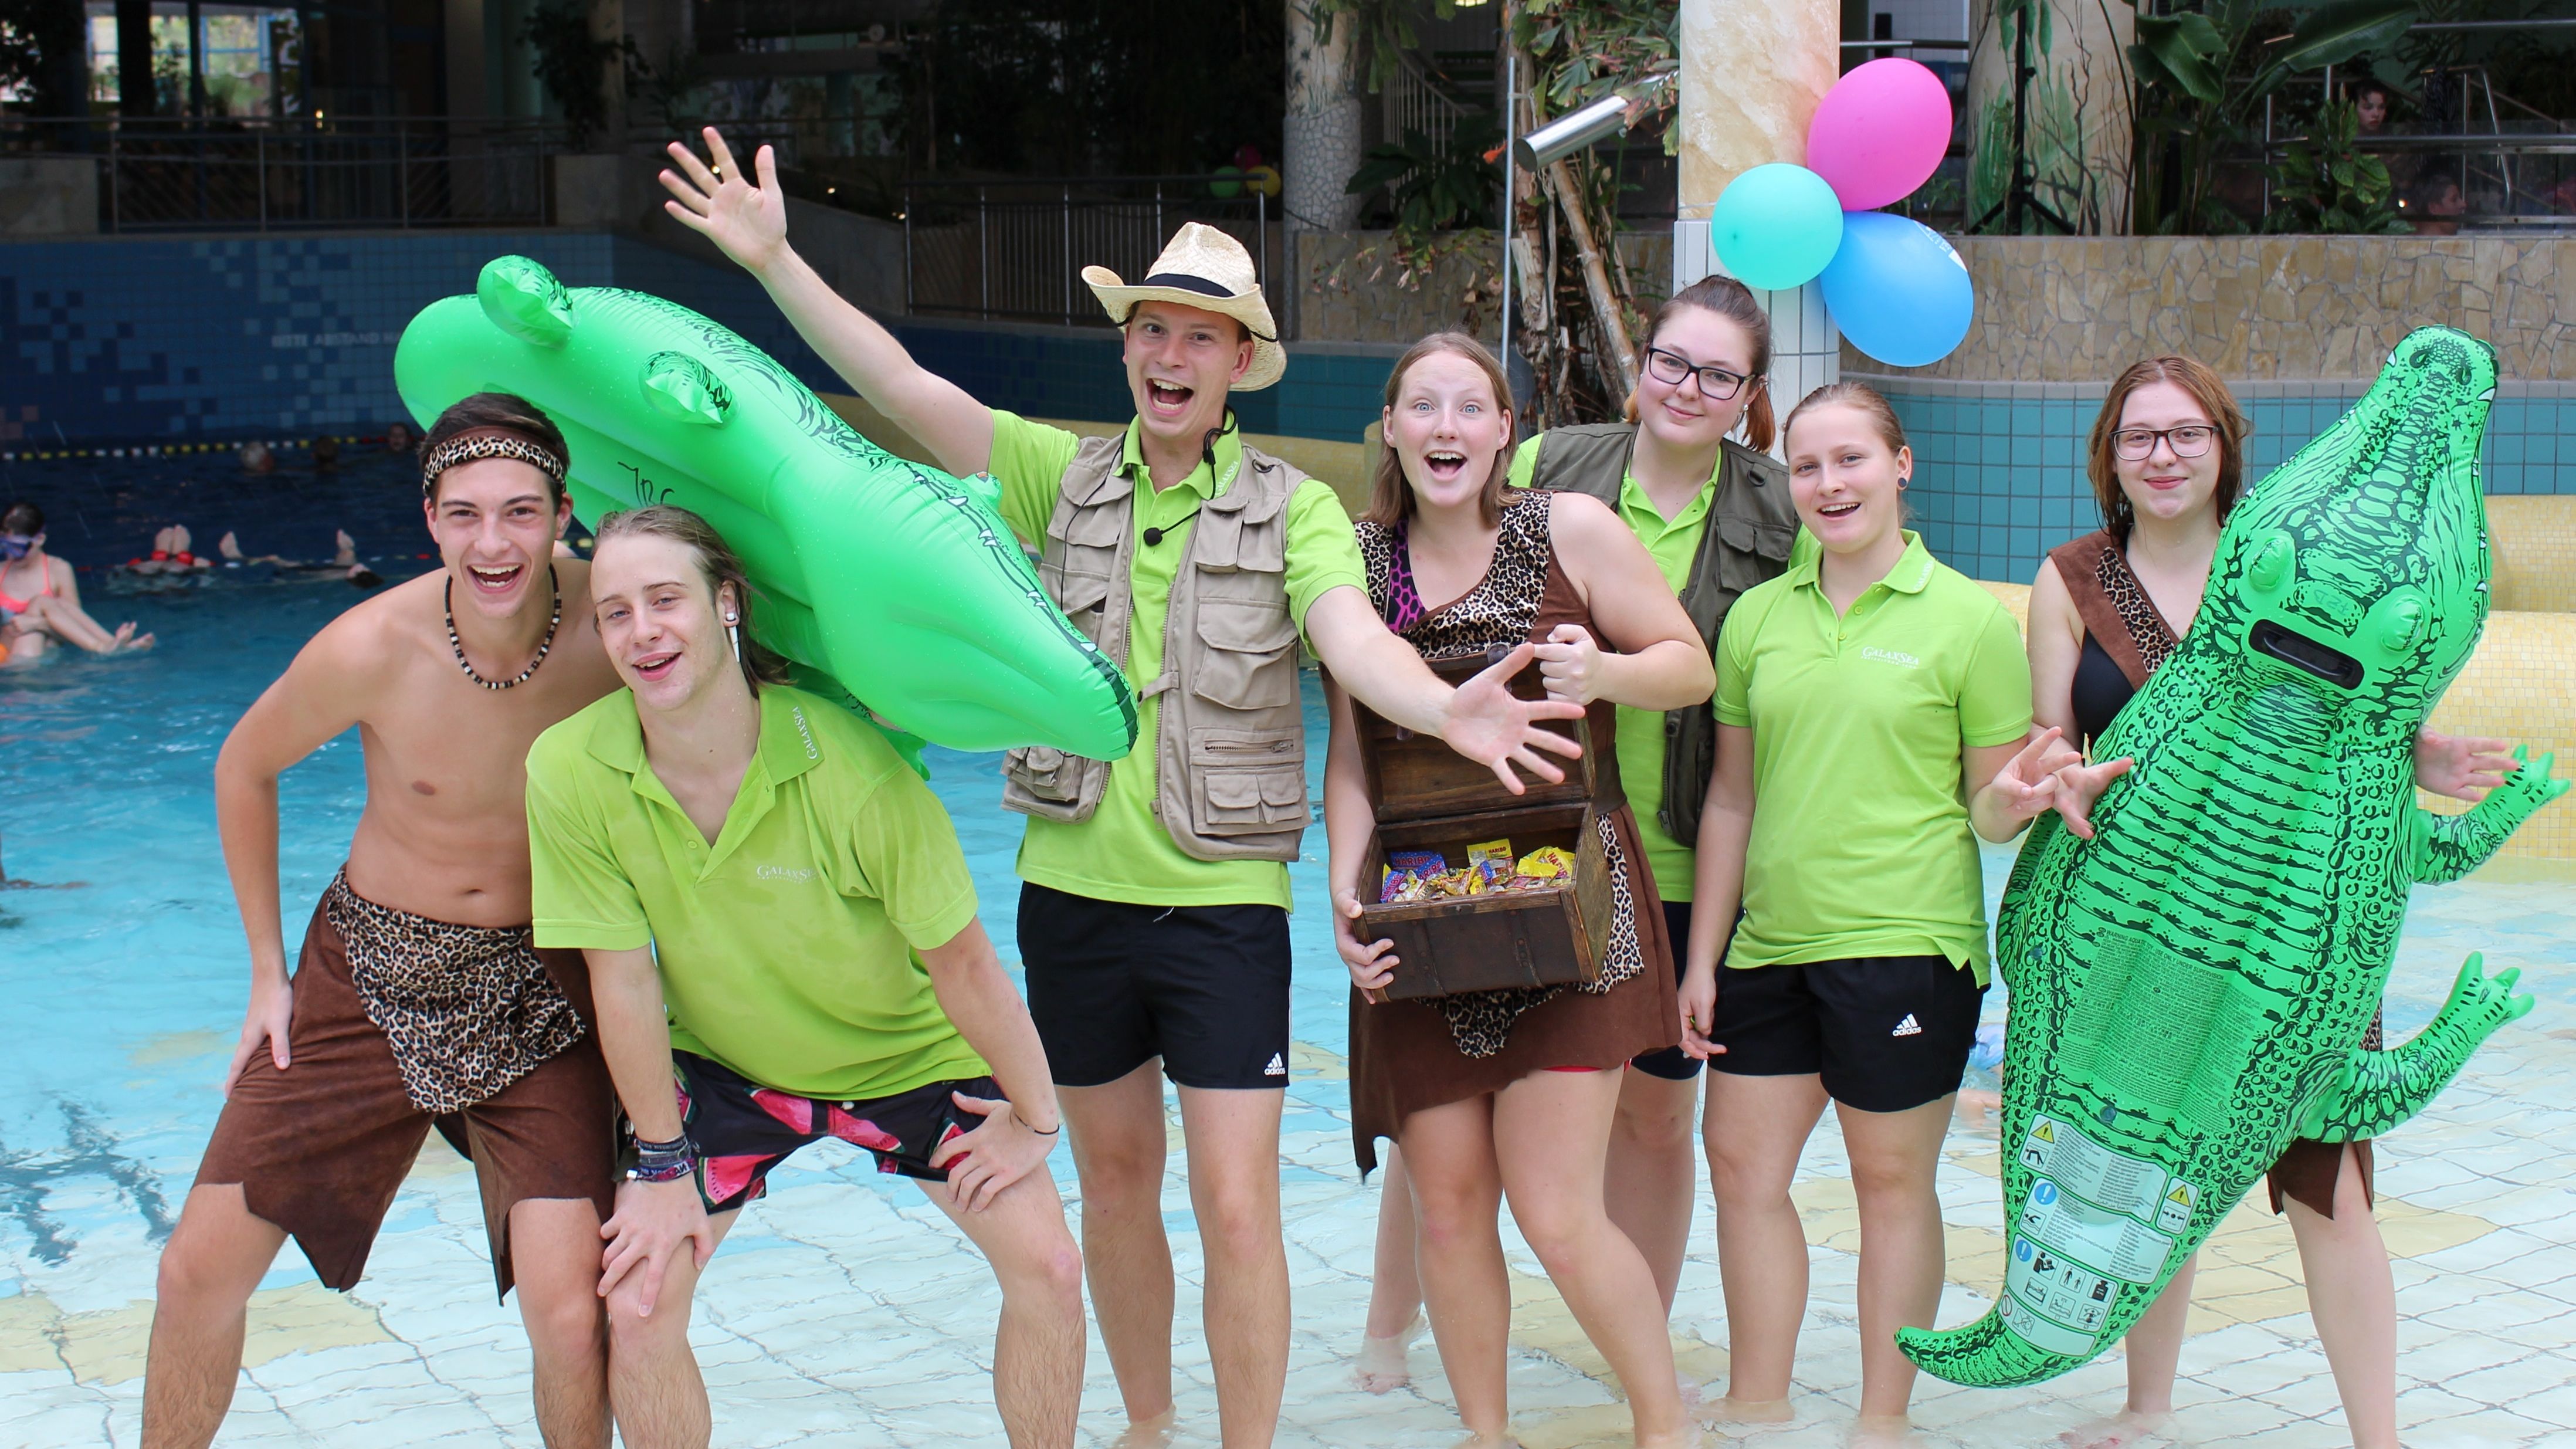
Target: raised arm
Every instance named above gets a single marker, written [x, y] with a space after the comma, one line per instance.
[320, 695]
[1018, 1131]
[1660, 663]
[748, 222]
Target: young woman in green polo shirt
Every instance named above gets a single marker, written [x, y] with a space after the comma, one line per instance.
[1873, 710]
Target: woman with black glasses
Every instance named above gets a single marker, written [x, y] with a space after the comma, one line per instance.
[2166, 462]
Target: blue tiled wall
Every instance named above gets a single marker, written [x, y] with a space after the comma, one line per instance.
[130, 339]
[1999, 467]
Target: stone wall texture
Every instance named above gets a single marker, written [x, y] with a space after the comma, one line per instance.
[2080, 309]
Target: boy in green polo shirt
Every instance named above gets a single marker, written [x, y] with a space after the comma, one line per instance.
[1154, 921]
[780, 925]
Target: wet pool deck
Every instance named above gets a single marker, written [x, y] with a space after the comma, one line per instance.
[844, 1311]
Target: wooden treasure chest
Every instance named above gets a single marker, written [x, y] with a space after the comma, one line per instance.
[1427, 798]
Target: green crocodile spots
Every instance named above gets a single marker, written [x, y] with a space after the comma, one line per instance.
[2191, 987]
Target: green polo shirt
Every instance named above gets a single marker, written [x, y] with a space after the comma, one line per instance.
[1861, 844]
[1674, 544]
[787, 947]
[1122, 853]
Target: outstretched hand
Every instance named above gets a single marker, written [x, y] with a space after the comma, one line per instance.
[747, 221]
[2026, 786]
[2462, 767]
[2079, 785]
[1489, 724]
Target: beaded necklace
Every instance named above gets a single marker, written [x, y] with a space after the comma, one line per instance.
[543, 645]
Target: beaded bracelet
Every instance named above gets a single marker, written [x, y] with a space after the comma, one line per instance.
[663, 1161]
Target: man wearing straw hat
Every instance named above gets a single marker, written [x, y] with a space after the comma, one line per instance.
[1154, 915]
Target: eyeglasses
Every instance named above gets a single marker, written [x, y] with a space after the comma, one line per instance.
[2191, 440]
[1715, 383]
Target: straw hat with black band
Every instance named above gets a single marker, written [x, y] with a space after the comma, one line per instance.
[1207, 269]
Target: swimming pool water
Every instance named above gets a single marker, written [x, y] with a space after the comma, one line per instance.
[125, 990]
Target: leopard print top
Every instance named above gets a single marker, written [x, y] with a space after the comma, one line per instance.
[467, 1009]
[2147, 628]
[1495, 616]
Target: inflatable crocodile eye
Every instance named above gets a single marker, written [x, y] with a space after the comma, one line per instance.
[680, 388]
[524, 300]
[2270, 571]
[2403, 624]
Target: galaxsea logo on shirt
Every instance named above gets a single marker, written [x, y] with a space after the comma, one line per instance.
[811, 753]
[1897, 657]
[784, 872]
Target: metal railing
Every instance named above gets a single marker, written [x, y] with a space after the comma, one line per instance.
[1411, 103]
[1015, 248]
[304, 173]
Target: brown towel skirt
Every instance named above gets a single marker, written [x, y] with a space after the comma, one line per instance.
[320, 1148]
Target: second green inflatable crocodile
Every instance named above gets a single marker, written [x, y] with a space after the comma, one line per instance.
[2191, 987]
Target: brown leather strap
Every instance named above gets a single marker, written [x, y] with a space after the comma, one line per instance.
[2079, 567]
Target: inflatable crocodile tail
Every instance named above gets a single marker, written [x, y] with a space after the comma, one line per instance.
[2191, 986]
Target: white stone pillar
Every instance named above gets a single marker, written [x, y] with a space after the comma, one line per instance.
[1752, 74]
[1321, 131]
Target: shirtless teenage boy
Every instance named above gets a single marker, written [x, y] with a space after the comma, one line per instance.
[419, 995]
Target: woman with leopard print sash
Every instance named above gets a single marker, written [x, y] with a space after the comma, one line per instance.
[1509, 1095]
[2166, 463]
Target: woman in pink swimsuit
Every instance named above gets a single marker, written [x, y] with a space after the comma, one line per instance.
[40, 601]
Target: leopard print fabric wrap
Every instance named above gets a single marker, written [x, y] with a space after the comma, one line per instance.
[1497, 614]
[476, 444]
[2129, 598]
[467, 1009]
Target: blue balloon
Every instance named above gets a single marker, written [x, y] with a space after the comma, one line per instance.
[1897, 290]
[1776, 226]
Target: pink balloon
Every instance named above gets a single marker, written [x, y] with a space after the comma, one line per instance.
[1880, 133]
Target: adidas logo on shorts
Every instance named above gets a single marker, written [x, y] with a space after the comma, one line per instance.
[1278, 1068]
[1908, 1027]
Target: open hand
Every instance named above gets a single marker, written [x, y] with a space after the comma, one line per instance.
[2461, 766]
[2079, 785]
[747, 222]
[651, 1222]
[999, 1152]
[1371, 966]
[1570, 664]
[1489, 724]
[2027, 784]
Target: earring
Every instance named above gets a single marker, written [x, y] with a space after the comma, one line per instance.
[1900, 482]
[733, 634]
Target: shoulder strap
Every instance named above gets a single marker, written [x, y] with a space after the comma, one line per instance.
[2080, 563]
[1589, 458]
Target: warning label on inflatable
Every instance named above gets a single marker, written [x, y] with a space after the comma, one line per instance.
[2094, 1238]
[2059, 1152]
[2175, 1213]
[2042, 1334]
[2057, 1289]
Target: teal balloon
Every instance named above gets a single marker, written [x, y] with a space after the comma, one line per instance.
[1897, 291]
[1776, 226]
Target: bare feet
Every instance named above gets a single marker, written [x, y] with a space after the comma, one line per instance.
[1382, 1365]
[1732, 1410]
[348, 548]
[2119, 1431]
[1153, 1433]
[1883, 1431]
[229, 547]
[1503, 1440]
[127, 641]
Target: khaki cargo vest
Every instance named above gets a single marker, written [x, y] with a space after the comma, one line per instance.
[1229, 750]
[1752, 526]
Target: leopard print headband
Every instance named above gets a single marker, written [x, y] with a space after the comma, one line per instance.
[476, 444]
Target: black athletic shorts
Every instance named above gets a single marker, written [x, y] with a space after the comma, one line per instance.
[1886, 1033]
[1113, 986]
[1672, 1063]
[743, 1129]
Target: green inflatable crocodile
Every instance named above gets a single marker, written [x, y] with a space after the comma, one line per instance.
[2191, 987]
[892, 586]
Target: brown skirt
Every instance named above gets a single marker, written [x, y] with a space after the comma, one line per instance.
[2306, 1174]
[320, 1148]
[1403, 1058]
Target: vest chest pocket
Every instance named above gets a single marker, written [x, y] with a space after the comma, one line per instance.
[1082, 594]
[1248, 661]
[1751, 552]
[1247, 782]
[1048, 774]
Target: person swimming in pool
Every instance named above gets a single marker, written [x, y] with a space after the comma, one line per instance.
[169, 557]
[342, 564]
[420, 996]
[40, 600]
